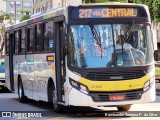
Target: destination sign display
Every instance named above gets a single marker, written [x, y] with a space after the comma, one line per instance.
[107, 12]
[103, 12]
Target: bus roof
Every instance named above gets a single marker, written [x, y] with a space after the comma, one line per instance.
[38, 17]
[110, 3]
[60, 11]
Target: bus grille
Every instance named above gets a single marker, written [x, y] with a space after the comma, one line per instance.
[115, 75]
[104, 97]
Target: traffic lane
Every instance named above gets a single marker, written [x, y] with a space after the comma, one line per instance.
[43, 106]
[10, 102]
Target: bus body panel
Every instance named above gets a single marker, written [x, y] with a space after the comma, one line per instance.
[2, 73]
[7, 75]
[77, 98]
[35, 72]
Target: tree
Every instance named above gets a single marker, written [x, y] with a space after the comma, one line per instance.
[101, 1]
[3, 16]
[26, 16]
[154, 6]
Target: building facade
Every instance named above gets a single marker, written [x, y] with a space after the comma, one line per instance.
[3, 6]
[15, 6]
[43, 5]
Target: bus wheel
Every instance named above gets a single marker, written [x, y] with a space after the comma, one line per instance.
[22, 97]
[124, 108]
[5, 89]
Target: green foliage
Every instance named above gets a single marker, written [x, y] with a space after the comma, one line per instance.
[26, 16]
[25, 11]
[102, 1]
[154, 6]
[3, 16]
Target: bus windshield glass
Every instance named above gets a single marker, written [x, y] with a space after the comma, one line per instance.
[110, 45]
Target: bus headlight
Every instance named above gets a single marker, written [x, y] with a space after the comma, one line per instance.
[74, 83]
[78, 86]
[148, 84]
[83, 89]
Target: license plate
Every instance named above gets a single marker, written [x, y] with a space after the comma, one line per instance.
[116, 97]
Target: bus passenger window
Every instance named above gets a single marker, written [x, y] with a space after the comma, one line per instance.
[49, 42]
[23, 41]
[30, 40]
[7, 43]
[38, 38]
[16, 42]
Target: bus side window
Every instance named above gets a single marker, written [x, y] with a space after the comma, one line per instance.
[22, 50]
[49, 42]
[16, 42]
[7, 43]
[30, 40]
[38, 37]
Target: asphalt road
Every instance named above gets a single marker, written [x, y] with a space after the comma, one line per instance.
[9, 102]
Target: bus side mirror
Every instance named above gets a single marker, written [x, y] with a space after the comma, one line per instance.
[157, 55]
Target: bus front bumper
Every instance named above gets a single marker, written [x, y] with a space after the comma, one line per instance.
[78, 98]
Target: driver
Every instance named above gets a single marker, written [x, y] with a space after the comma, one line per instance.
[121, 42]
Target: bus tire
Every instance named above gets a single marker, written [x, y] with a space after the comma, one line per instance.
[124, 108]
[5, 89]
[21, 96]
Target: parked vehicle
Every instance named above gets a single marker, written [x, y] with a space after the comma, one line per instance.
[2, 73]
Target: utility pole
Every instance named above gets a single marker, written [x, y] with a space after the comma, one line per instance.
[15, 12]
[22, 7]
[15, 16]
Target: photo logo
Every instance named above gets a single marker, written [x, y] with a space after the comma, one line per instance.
[6, 114]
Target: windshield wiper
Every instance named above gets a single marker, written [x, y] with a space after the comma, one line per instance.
[96, 36]
[128, 33]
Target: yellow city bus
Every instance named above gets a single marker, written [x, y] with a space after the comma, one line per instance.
[69, 56]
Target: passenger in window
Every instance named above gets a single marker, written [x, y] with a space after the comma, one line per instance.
[121, 42]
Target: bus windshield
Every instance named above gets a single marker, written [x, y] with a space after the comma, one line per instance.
[110, 45]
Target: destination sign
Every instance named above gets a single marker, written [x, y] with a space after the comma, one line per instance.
[107, 12]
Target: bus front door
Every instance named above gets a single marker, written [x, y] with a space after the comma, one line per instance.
[10, 69]
[60, 61]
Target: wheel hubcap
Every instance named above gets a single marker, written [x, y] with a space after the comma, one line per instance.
[20, 91]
